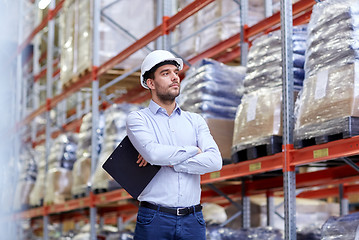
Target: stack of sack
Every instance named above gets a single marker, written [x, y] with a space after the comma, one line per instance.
[329, 99]
[259, 116]
[82, 168]
[264, 68]
[212, 89]
[60, 164]
[27, 178]
[38, 192]
[115, 131]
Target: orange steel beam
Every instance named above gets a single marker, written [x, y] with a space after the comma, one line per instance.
[69, 205]
[42, 25]
[328, 192]
[333, 175]
[327, 151]
[260, 165]
[112, 196]
[266, 24]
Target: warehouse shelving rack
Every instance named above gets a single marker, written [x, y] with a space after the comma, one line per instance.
[224, 51]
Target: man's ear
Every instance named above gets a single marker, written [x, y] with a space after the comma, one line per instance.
[150, 83]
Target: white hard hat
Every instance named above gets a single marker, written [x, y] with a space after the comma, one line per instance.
[154, 58]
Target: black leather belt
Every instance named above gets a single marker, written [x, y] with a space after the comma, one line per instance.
[174, 211]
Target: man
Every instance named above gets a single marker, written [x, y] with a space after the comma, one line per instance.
[179, 142]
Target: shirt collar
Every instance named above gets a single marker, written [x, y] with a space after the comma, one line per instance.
[155, 108]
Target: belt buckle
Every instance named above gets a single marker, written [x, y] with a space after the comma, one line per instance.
[178, 211]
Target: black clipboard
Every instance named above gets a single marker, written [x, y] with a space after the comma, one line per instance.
[122, 167]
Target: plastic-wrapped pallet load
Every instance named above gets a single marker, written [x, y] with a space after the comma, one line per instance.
[341, 228]
[328, 104]
[212, 89]
[115, 36]
[37, 194]
[82, 167]
[61, 161]
[27, 178]
[258, 122]
[264, 68]
[115, 130]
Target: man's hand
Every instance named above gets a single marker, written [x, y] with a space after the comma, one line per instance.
[199, 150]
[141, 161]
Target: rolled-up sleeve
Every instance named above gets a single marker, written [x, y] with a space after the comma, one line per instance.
[144, 140]
[209, 160]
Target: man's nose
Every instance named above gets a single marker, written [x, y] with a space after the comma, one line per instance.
[174, 77]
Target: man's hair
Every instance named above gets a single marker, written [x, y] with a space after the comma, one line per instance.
[151, 73]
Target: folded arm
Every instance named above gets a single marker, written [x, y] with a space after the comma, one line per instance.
[208, 160]
[144, 140]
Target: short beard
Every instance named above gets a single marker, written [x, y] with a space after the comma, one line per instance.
[167, 97]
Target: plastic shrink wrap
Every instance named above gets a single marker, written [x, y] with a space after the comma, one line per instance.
[330, 93]
[326, 102]
[115, 131]
[309, 233]
[212, 89]
[264, 68]
[341, 228]
[27, 178]
[82, 168]
[61, 161]
[115, 36]
[37, 194]
[258, 117]
[223, 233]
[214, 23]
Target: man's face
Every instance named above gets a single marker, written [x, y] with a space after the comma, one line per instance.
[166, 84]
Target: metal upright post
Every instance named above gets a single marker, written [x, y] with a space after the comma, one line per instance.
[268, 8]
[288, 121]
[246, 208]
[18, 87]
[36, 71]
[167, 12]
[270, 208]
[49, 81]
[159, 18]
[344, 203]
[244, 22]
[120, 224]
[95, 105]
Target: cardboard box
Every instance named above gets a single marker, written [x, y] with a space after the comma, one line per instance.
[222, 132]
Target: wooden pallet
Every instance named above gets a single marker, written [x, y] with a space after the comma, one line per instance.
[269, 146]
[76, 78]
[349, 127]
[80, 195]
[99, 190]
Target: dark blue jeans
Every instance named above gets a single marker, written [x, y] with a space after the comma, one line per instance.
[156, 225]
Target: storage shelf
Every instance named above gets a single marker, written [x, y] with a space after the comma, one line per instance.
[224, 51]
[264, 26]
